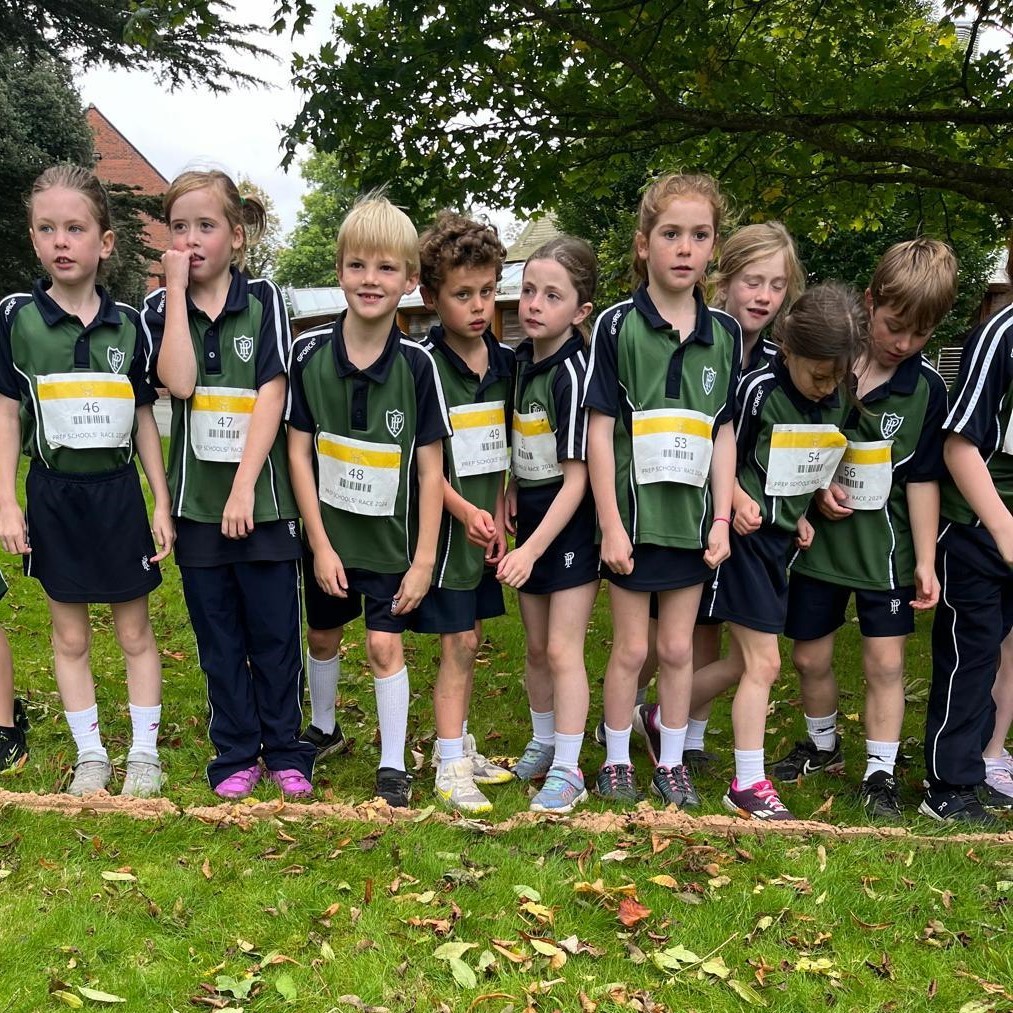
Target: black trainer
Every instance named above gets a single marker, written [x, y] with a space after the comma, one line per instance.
[674, 786]
[325, 743]
[806, 759]
[599, 733]
[394, 787]
[956, 805]
[699, 761]
[21, 715]
[13, 751]
[880, 798]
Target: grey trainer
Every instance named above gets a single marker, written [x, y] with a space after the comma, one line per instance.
[144, 779]
[90, 776]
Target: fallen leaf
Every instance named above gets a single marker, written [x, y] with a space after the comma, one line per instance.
[206, 868]
[632, 911]
[821, 853]
[68, 998]
[450, 951]
[716, 968]
[528, 892]
[463, 974]
[539, 912]
[97, 996]
[119, 877]
[747, 992]
[666, 881]
[285, 984]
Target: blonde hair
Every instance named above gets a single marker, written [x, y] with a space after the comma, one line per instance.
[918, 280]
[661, 192]
[373, 226]
[246, 211]
[756, 242]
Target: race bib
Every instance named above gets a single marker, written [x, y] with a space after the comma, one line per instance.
[534, 447]
[219, 421]
[866, 474]
[86, 410]
[803, 458]
[672, 445]
[479, 441]
[357, 476]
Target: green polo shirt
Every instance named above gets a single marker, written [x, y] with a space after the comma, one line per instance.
[245, 347]
[38, 338]
[459, 564]
[873, 549]
[396, 405]
[639, 363]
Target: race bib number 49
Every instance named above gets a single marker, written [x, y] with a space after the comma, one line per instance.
[219, 421]
[803, 458]
[479, 443]
[866, 475]
[672, 446]
[86, 410]
[358, 476]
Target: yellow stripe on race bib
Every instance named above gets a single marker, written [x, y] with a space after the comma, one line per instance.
[877, 455]
[806, 441]
[357, 455]
[473, 420]
[227, 403]
[690, 427]
[532, 427]
[54, 391]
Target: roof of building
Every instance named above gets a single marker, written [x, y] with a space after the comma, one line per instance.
[538, 231]
[118, 160]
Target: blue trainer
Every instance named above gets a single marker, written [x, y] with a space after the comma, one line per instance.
[562, 792]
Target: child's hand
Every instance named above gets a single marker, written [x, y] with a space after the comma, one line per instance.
[13, 530]
[414, 587]
[829, 502]
[497, 547]
[515, 567]
[237, 518]
[718, 545]
[330, 572]
[511, 507]
[176, 268]
[747, 516]
[164, 532]
[926, 588]
[617, 550]
[481, 528]
[805, 533]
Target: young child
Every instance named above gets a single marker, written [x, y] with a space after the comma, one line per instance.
[973, 559]
[13, 719]
[221, 344]
[789, 446]
[74, 394]
[876, 526]
[661, 454]
[555, 565]
[367, 420]
[461, 262]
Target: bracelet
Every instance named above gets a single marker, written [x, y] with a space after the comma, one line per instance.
[726, 520]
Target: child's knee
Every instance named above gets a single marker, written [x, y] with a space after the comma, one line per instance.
[462, 647]
[72, 642]
[673, 653]
[384, 651]
[809, 660]
[764, 666]
[324, 644]
[135, 639]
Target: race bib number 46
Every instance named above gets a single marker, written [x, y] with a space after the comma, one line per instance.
[358, 476]
[86, 410]
[219, 421]
[866, 475]
[803, 458]
[479, 443]
[672, 446]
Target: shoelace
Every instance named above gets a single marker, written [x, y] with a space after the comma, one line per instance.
[768, 793]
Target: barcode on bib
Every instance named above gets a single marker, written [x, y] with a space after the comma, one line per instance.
[525, 455]
[678, 455]
[355, 486]
[493, 446]
[809, 469]
[223, 434]
[91, 420]
[852, 484]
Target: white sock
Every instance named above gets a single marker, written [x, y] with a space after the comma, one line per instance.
[673, 740]
[748, 768]
[823, 731]
[464, 727]
[323, 679]
[567, 753]
[145, 722]
[1000, 762]
[87, 738]
[641, 695]
[543, 725]
[694, 734]
[617, 745]
[880, 756]
[392, 714]
[450, 749]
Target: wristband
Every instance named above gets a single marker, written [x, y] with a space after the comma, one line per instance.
[725, 520]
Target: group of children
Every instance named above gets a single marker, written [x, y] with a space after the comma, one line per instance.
[751, 465]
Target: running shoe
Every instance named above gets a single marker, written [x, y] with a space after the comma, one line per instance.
[143, 779]
[535, 762]
[807, 758]
[325, 743]
[394, 787]
[617, 781]
[880, 798]
[562, 792]
[674, 786]
[455, 786]
[956, 805]
[760, 802]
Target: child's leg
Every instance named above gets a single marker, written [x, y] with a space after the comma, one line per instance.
[452, 691]
[712, 680]
[144, 672]
[762, 665]
[650, 667]
[883, 661]
[385, 653]
[538, 754]
[71, 644]
[706, 650]
[1002, 693]
[677, 612]
[323, 667]
[569, 612]
[630, 616]
[6, 683]
[814, 661]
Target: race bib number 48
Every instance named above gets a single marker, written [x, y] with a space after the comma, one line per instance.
[358, 476]
[219, 421]
[866, 475]
[803, 458]
[479, 443]
[672, 446]
[86, 410]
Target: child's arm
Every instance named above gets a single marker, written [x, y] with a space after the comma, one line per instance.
[969, 471]
[804, 532]
[479, 525]
[746, 511]
[616, 547]
[237, 517]
[510, 506]
[149, 450]
[923, 508]
[415, 584]
[177, 364]
[516, 566]
[13, 530]
[722, 484]
[498, 546]
[327, 567]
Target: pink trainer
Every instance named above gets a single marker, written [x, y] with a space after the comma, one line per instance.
[239, 784]
[293, 783]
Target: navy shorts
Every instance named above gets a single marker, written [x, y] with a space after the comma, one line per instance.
[3, 586]
[661, 568]
[571, 560]
[751, 586]
[327, 612]
[89, 535]
[444, 610]
[817, 608]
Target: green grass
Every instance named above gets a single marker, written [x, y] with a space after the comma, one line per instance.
[320, 910]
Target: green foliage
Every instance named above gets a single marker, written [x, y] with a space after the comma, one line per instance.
[125, 274]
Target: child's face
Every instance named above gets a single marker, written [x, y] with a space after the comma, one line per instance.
[814, 378]
[679, 247]
[67, 237]
[548, 306]
[198, 226]
[755, 294]
[465, 302]
[374, 283]
[892, 339]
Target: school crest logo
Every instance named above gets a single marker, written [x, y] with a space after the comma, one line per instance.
[395, 422]
[708, 377]
[889, 424]
[243, 346]
[115, 358]
[568, 559]
[292, 529]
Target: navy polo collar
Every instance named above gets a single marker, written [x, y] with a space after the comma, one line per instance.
[53, 313]
[797, 398]
[498, 368]
[237, 299]
[702, 330]
[525, 353]
[904, 381]
[377, 371]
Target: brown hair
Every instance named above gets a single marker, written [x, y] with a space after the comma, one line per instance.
[918, 280]
[577, 258]
[82, 181]
[246, 211]
[661, 192]
[755, 242]
[454, 241]
[828, 321]
[375, 226]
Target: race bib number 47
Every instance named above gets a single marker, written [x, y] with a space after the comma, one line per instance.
[803, 458]
[86, 410]
[219, 421]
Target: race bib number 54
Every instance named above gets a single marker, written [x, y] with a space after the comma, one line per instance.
[803, 458]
